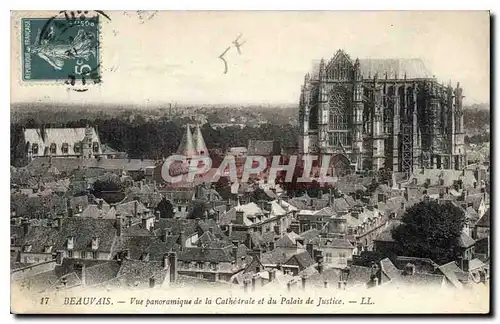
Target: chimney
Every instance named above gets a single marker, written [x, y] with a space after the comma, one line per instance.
[239, 217]
[165, 261]
[230, 230]
[118, 225]
[310, 250]
[164, 235]
[59, 257]
[271, 246]
[26, 227]
[172, 261]
[464, 264]
[409, 269]
[272, 275]
[235, 253]
[248, 240]
[182, 239]
[135, 208]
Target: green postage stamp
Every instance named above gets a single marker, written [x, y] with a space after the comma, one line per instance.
[62, 48]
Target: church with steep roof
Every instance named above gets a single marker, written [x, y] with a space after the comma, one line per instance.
[192, 145]
[381, 114]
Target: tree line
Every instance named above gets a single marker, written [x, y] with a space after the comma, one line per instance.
[154, 139]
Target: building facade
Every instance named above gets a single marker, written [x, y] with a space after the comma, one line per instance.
[375, 114]
[62, 142]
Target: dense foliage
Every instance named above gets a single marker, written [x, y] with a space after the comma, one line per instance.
[430, 230]
[154, 139]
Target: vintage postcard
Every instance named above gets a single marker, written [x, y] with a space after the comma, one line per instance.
[212, 162]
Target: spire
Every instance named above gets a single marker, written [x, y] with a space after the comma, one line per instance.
[187, 147]
[322, 69]
[199, 142]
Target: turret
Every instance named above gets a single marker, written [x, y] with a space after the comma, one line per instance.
[187, 146]
[199, 142]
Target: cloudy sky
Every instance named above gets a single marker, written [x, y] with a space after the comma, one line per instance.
[173, 57]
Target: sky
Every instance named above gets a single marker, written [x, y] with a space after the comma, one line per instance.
[173, 56]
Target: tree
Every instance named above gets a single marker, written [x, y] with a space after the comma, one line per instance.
[109, 187]
[198, 210]
[165, 208]
[430, 230]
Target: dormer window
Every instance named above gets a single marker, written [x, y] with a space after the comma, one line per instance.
[34, 149]
[95, 147]
[53, 148]
[27, 248]
[71, 243]
[95, 243]
[65, 148]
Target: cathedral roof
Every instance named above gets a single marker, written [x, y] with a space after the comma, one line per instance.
[414, 68]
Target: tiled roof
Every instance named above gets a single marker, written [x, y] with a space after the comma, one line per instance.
[189, 226]
[69, 164]
[276, 256]
[485, 220]
[303, 260]
[331, 276]
[475, 200]
[465, 240]
[334, 243]
[40, 237]
[128, 209]
[101, 272]
[310, 235]
[358, 276]
[386, 234]
[421, 279]
[82, 229]
[389, 269]
[198, 254]
[136, 274]
[288, 240]
[448, 176]
[138, 245]
[258, 147]
[451, 271]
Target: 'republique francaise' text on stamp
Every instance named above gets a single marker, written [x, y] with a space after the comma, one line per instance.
[60, 49]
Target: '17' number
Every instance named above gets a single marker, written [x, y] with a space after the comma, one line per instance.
[44, 301]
